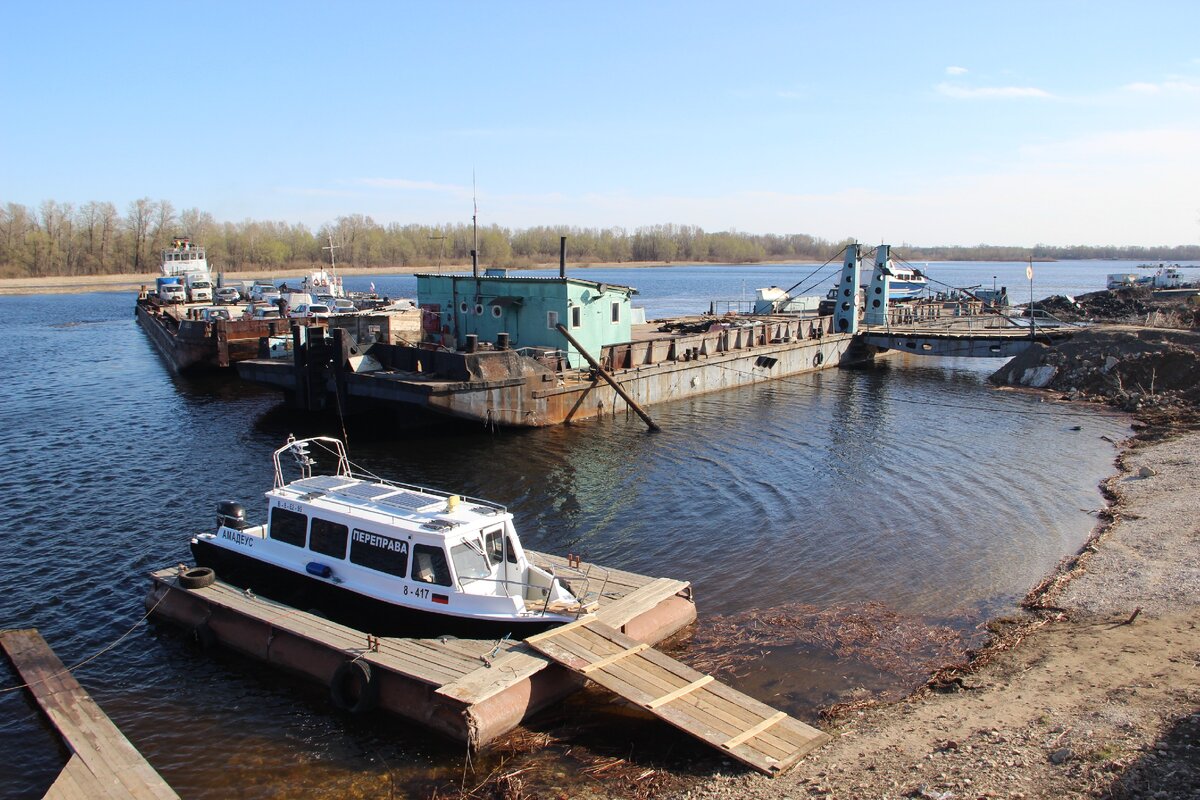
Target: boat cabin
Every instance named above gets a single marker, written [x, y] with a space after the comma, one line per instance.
[403, 546]
[528, 309]
[183, 257]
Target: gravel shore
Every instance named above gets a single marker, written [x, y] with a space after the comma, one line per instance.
[1096, 696]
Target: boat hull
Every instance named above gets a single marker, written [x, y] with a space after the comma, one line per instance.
[348, 607]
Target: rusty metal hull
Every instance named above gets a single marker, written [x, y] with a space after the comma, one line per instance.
[192, 345]
[526, 394]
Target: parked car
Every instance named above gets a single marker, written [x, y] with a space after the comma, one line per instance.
[227, 296]
[343, 306]
[212, 314]
[266, 312]
[172, 293]
[310, 311]
[264, 291]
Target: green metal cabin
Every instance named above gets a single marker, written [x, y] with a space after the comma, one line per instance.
[527, 309]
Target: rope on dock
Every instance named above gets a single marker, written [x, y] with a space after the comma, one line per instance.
[92, 657]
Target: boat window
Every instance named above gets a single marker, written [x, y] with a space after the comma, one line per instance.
[288, 526]
[576, 316]
[381, 553]
[616, 312]
[328, 538]
[494, 544]
[429, 565]
[552, 320]
[469, 560]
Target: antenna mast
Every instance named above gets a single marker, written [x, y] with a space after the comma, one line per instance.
[331, 247]
[474, 227]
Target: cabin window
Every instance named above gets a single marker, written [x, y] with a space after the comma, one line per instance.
[328, 538]
[382, 553]
[552, 320]
[429, 565]
[469, 560]
[616, 312]
[576, 316]
[288, 526]
[493, 544]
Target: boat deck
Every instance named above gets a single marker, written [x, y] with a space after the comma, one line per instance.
[470, 689]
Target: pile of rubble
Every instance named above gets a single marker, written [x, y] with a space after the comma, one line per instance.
[1135, 370]
[1128, 306]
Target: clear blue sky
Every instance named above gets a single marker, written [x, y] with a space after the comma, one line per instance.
[906, 122]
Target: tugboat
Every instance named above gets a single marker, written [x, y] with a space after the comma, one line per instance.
[387, 558]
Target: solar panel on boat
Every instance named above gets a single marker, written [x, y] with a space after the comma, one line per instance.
[409, 501]
[322, 482]
[367, 491]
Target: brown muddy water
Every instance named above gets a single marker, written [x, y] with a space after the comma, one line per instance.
[911, 485]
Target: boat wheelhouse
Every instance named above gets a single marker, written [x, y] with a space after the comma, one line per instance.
[906, 283]
[183, 257]
[388, 558]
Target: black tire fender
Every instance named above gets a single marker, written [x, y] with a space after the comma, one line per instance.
[197, 577]
[818, 359]
[353, 687]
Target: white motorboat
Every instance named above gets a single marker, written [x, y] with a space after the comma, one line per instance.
[388, 558]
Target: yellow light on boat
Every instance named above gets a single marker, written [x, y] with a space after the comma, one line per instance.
[451, 503]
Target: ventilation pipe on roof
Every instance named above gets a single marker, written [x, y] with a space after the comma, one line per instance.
[562, 256]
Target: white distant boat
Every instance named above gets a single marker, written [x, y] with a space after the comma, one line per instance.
[905, 283]
[388, 558]
[183, 257]
[773, 300]
[322, 283]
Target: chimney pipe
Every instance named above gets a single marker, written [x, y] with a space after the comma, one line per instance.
[475, 263]
[562, 256]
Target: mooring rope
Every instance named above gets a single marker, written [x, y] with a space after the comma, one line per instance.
[92, 657]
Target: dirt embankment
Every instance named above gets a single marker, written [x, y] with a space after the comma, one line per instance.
[1133, 306]
[1136, 369]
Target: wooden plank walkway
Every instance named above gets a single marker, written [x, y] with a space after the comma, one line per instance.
[104, 763]
[737, 724]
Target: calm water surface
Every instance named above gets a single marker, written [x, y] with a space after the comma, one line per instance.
[911, 483]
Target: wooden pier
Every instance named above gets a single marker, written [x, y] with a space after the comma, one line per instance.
[471, 690]
[103, 763]
[475, 690]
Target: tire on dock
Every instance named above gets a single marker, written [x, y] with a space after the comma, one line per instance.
[197, 577]
[353, 687]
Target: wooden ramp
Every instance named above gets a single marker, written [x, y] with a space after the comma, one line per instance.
[104, 764]
[752, 732]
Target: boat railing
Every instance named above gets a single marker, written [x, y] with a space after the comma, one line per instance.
[583, 595]
[301, 452]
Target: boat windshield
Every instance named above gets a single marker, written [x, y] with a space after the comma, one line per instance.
[470, 561]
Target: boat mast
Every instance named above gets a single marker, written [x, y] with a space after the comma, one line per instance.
[331, 247]
[474, 228]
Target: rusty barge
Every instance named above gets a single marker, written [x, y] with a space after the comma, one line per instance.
[523, 351]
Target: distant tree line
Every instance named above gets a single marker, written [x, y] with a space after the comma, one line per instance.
[95, 238]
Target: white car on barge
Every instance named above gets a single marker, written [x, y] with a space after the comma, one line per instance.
[387, 558]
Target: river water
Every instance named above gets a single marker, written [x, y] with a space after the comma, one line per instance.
[911, 483]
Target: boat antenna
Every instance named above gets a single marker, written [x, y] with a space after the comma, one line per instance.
[474, 227]
[331, 247]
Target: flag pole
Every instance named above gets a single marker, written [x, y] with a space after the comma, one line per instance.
[1032, 321]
